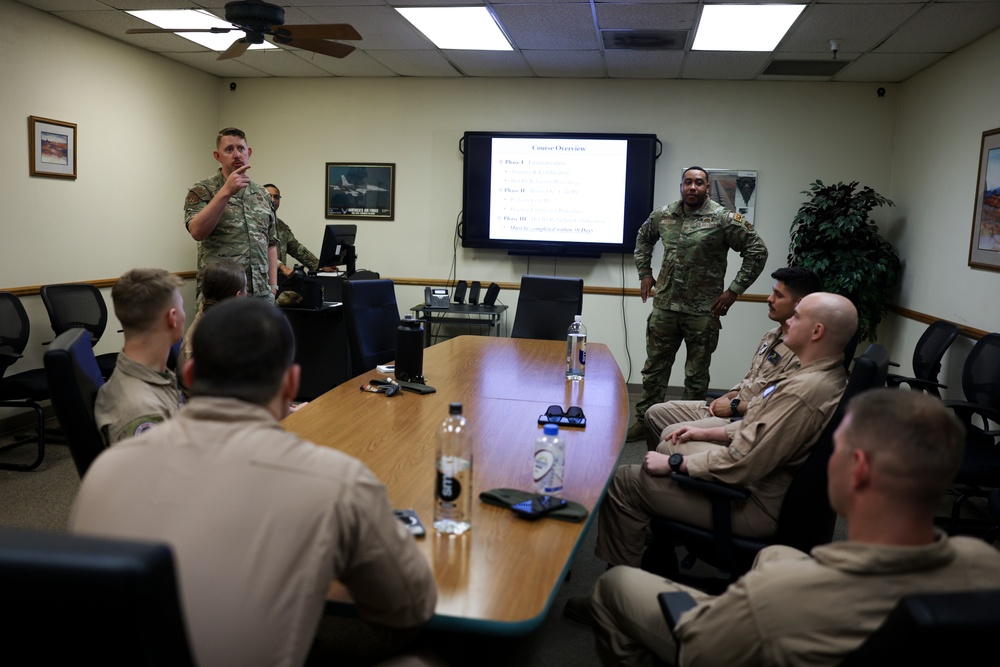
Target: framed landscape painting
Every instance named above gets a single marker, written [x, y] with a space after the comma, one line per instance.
[51, 147]
[984, 248]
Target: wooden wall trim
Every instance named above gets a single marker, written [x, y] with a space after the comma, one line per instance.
[968, 332]
[100, 283]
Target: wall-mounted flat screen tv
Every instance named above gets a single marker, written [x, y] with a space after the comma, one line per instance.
[562, 194]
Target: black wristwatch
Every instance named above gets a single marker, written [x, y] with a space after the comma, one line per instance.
[675, 462]
[733, 405]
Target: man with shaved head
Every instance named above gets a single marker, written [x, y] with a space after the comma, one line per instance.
[761, 452]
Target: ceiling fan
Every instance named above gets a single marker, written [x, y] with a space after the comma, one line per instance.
[261, 19]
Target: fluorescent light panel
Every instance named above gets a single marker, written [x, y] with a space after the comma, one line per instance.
[468, 28]
[744, 27]
[197, 20]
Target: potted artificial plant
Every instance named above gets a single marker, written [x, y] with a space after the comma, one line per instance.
[832, 235]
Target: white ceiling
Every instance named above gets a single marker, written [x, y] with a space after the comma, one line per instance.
[882, 40]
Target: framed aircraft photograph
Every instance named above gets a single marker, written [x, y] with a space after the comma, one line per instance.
[359, 191]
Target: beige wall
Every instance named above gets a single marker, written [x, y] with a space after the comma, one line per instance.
[147, 125]
[144, 127]
[943, 113]
[297, 125]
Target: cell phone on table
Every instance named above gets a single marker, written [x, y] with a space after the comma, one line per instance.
[411, 521]
[537, 506]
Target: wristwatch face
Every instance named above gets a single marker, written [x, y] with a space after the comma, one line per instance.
[675, 461]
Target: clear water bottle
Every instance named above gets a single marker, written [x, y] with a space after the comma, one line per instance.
[576, 350]
[453, 487]
[550, 462]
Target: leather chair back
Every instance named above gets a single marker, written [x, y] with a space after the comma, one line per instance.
[546, 306]
[372, 317]
[75, 379]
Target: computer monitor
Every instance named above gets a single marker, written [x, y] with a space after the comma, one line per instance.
[338, 247]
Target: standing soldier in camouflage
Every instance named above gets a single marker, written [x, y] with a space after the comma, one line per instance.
[231, 218]
[287, 243]
[697, 235]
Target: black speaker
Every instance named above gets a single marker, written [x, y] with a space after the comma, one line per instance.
[491, 295]
[474, 292]
[460, 291]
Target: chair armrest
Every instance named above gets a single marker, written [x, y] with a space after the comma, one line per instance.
[673, 604]
[965, 409]
[915, 383]
[893, 363]
[710, 488]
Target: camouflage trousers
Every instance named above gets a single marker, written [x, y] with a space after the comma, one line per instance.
[665, 330]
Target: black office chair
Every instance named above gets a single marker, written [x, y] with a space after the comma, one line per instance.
[805, 520]
[546, 306]
[372, 318]
[21, 390]
[922, 629]
[76, 600]
[993, 504]
[75, 380]
[934, 628]
[980, 469]
[72, 306]
[927, 356]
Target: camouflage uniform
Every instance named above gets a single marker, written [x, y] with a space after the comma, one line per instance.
[695, 249]
[289, 245]
[243, 234]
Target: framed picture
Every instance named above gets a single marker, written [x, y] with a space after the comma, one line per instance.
[984, 248]
[359, 191]
[734, 189]
[52, 147]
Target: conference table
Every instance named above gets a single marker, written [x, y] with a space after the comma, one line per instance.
[501, 576]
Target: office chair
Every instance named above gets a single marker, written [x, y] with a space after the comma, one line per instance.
[922, 629]
[21, 390]
[75, 380]
[372, 317]
[980, 470]
[70, 599]
[72, 306]
[927, 356]
[805, 520]
[546, 306]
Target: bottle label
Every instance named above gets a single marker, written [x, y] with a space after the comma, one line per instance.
[448, 487]
[544, 460]
[583, 354]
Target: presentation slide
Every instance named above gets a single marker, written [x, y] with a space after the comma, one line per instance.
[558, 190]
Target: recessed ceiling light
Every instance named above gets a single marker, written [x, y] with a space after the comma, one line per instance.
[469, 28]
[169, 19]
[744, 27]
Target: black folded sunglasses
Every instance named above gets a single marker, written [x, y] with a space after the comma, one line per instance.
[572, 416]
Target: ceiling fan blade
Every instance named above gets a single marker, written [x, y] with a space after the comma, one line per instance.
[334, 49]
[327, 31]
[153, 31]
[235, 50]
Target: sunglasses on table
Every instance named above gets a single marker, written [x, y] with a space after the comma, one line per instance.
[572, 416]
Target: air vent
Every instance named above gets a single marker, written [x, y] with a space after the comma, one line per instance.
[646, 40]
[805, 67]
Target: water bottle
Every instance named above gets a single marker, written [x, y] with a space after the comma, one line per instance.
[453, 487]
[576, 350]
[550, 462]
